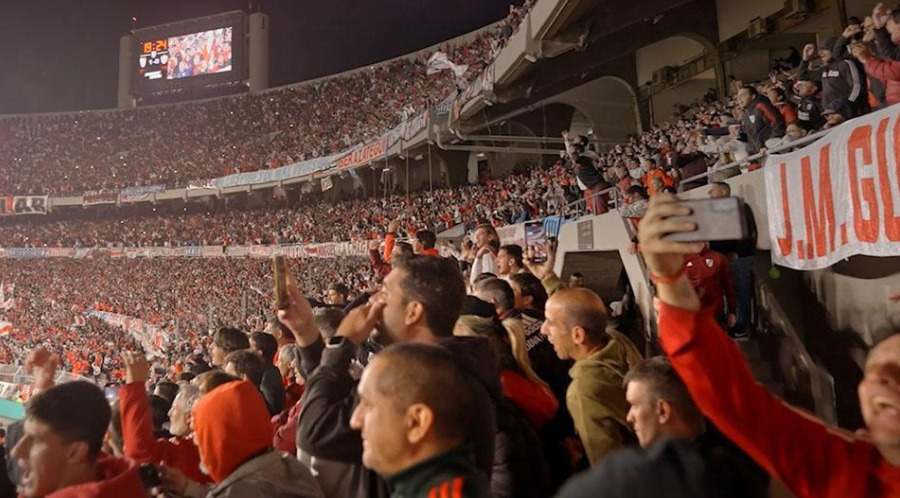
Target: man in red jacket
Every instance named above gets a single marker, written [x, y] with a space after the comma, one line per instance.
[810, 458]
[59, 452]
[710, 276]
[137, 427]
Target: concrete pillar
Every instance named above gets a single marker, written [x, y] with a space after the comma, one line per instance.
[259, 52]
[127, 67]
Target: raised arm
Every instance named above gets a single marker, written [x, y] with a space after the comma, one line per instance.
[793, 446]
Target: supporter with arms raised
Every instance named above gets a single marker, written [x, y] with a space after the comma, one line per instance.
[137, 429]
[234, 437]
[842, 85]
[810, 458]
[414, 414]
[59, 452]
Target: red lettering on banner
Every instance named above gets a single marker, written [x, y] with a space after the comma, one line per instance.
[818, 217]
[785, 243]
[866, 228]
[891, 221]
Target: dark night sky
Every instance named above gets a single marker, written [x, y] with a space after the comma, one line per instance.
[63, 54]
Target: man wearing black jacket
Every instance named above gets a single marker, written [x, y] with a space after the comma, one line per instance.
[762, 120]
[420, 302]
[841, 79]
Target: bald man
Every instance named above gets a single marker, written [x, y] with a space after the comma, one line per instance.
[576, 326]
[414, 413]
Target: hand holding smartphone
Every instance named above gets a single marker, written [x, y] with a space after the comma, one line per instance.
[536, 241]
[716, 219]
[279, 273]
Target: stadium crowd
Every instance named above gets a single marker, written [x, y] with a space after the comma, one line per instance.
[707, 135]
[190, 143]
[482, 375]
[532, 194]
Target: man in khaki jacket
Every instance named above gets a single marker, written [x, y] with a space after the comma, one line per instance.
[576, 326]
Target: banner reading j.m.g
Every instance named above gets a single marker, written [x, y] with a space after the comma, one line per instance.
[839, 196]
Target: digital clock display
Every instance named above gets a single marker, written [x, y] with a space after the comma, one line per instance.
[149, 47]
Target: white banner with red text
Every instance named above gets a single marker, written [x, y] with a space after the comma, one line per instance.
[839, 196]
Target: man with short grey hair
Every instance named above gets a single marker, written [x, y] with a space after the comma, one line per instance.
[140, 444]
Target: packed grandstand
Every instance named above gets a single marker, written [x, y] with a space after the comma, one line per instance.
[521, 327]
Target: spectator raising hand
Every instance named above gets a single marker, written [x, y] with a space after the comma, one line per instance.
[298, 315]
[41, 365]
[137, 368]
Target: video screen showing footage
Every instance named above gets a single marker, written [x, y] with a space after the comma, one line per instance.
[207, 52]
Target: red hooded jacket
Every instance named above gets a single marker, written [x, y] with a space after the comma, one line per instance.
[231, 425]
[143, 447]
[118, 478]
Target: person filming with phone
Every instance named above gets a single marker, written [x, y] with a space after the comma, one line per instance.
[809, 457]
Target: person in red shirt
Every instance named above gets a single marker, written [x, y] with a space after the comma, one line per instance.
[778, 98]
[809, 457]
[59, 453]
[425, 242]
[710, 277]
[137, 426]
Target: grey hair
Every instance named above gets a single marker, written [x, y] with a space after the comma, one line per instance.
[289, 353]
[188, 395]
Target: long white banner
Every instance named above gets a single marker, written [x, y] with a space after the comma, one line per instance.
[324, 250]
[838, 197]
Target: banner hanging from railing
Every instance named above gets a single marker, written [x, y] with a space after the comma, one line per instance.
[323, 250]
[837, 197]
[11, 205]
[102, 197]
[364, 154]
[274, 175]
[151, 337]
[138, 194]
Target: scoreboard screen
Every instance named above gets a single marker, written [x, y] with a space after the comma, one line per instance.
[194, 54]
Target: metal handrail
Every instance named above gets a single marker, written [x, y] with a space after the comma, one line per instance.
[790, 145]
[734, 164]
